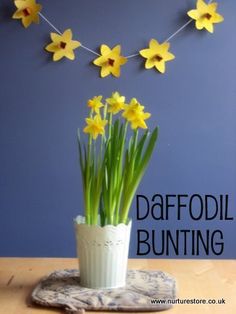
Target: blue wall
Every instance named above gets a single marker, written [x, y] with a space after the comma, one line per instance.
[43, 103]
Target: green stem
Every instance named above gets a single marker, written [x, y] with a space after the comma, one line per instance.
[87, 182]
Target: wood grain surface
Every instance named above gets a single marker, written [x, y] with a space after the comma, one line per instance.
[196, 279]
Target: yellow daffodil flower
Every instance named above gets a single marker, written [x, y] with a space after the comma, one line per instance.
[132, 110]
[157, 55]
[116, 103]
[63, 45]
[95, 103]
[205, 15]
[27, 11]
[95, 126]
[135, 115]
[110, 61]
[139, 121]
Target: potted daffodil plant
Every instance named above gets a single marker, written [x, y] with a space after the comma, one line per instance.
[113, 161]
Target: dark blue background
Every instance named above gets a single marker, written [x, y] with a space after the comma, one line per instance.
[43, 103]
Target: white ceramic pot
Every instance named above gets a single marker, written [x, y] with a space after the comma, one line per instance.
[103, 254]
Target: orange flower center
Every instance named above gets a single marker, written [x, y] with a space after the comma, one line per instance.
[62, 45]
[111, 62]
[26, 12]
[207, 16]
[157, 58]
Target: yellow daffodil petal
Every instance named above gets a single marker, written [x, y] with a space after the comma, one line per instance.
[213, 6]
[146, 53]
[154, 44]
[17, 15]
[105, 49]
[26, 22]
[169, 56]
[194, 14]
[105, 71]
[20, 4]
[217, 18]
[67, 35]
[116, 71]
[99, 61]
[51, 47]
[165, 46]
[209, 27]
[138, 123]
[199, 24]
[160, 66]
[55, 37]
[58, 55]
[117, 49]
[122, 60]
[149, 64]
[70, 54]
[74, 44]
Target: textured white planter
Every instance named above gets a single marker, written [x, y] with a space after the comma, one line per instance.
[103, 254]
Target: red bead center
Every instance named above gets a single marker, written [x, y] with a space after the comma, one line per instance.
[62, 45]
[111, 62]
[158, 58]
[207, 16]
[26, 11]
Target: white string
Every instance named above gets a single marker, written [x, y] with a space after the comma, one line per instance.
[168, 38]
[130, 56]
[60, 33]
[171, 36]
[46, 20]
[90, 50]
[179, 30]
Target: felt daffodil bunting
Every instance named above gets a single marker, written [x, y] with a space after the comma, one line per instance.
[27, 11]
[63, 45]
[134, 113]
[110, 60]
[157, 55]
[95, 126]
[116, 103]
[205, 15]
[95, 103]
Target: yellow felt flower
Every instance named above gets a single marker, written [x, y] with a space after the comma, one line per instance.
[27, 11]
[110, 60]
[95, 126]
[116, 103]
[205, 15]
[95, 103]
[157, 55]
[63, 45]
[134, 113]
